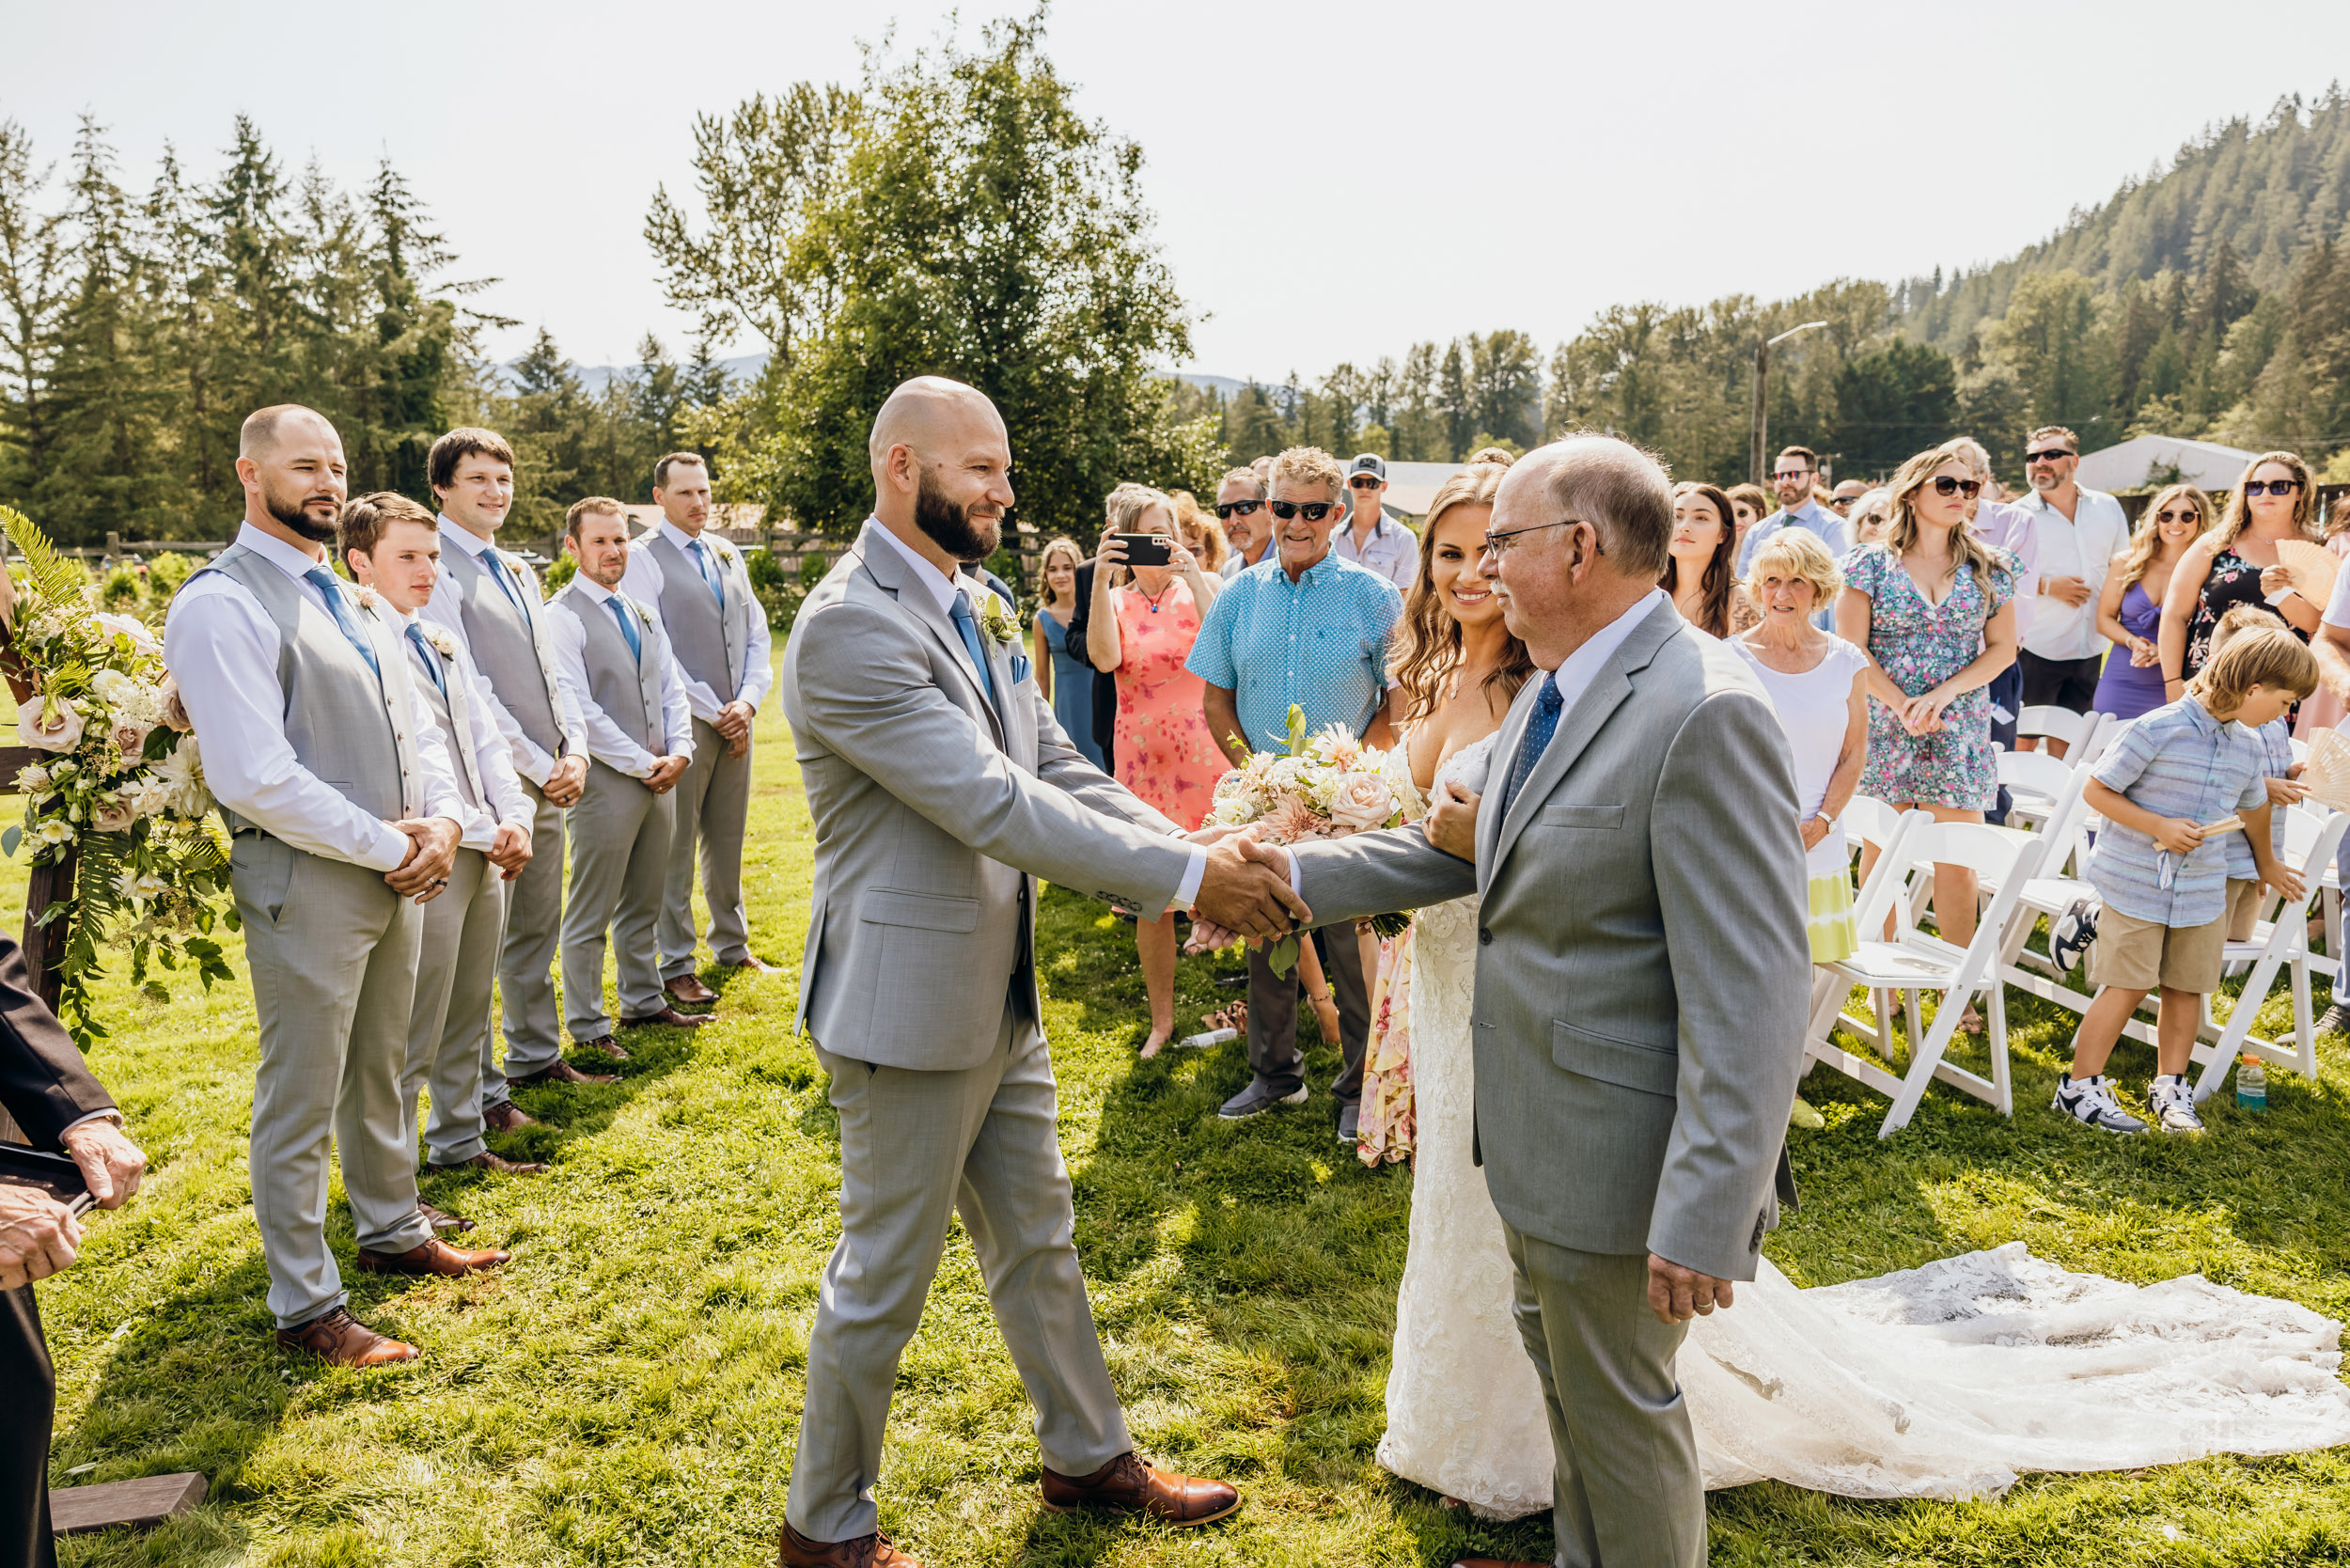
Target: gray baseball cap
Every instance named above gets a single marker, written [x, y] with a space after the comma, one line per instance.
[1371, 464]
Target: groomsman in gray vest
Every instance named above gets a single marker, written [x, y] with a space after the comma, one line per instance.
[393, 548]
[488, 599]
[695, 585]
[342, 809]
[611, 651]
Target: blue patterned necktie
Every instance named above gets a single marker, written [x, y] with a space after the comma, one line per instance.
[1538, 729]
[431, 660]
[968, 625]
[709, 575]
[628, 627]
[323, 580]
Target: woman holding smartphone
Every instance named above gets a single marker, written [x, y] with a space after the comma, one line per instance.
[1144, 619]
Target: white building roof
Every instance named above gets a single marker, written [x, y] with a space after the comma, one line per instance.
[1412, 486]
[2136, 463]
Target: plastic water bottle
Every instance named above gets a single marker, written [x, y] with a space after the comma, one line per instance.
[2251, 1086]
[1200, 1042]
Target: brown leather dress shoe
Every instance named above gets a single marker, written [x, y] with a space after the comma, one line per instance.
[561, 1073]
[442, 1221]
[753, 964]
[794, 1550]
[506, 1117]
[607, 1047]
[672, 1016]
[1498, 1562]
[435, 1257]
[1127, 1485]
[492, 1163]
[690, 990]
[344, 1341]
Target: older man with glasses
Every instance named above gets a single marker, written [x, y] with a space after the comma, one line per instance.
[2078, 531]
[1372, 540]
[1248, 526]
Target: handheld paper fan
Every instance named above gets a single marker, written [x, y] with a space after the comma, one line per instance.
[2327, 771]
[2312, 567]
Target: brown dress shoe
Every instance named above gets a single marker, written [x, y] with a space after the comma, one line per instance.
[492, 1163]
[606, 1047]
[435, 1257]
[1127, 1485]
[690, 990]
[344, 1341]
[672, 1016]
[506, 1117]
[1498, 1562]
[562, 1072]
[753, 964]
[442, 1221]
[794, 1550]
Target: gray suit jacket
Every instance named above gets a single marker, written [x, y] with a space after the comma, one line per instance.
[1642, 968]
[931, 811]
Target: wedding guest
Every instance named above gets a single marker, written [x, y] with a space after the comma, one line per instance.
[1931, 607]
[1248, 526]
[693, 581]
[1748, 505]
[1200, 534]
[2236, 563]
[2009, 531]
[392, 547]
[2280, 776]
[2129, 607]
[490, 601]
[1701, 572]
[1309, 632]
[1792, 474]
[1066, 676]
[1145, 622]
[2324, 709]
[1372, 539]
[1501, 455]
[2077, 532]
[342, 809]
[1869, 517]
[615, 658]
[1840, 499]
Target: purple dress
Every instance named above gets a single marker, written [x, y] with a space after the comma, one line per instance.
[2125, 690]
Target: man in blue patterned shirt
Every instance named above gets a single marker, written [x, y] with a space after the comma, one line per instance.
[1304, 627]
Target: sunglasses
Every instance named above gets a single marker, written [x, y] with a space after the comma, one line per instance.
[1793, 473]
[1315, 510]
[1228, 509]
[2185, 515]
[2271, 487]
[2051, 454]
[1365, 482]
[1945, 485]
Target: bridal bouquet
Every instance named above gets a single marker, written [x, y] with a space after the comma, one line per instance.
[123, 797]
[1329, 786]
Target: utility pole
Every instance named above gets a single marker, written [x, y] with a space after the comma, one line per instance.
[1762, 377]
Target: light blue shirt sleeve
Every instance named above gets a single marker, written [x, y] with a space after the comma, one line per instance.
[2120, 767]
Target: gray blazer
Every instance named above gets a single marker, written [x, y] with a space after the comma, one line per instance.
[1642, 968]
[932, 814]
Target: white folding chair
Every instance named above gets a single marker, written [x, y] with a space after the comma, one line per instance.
[2103, 728]
[2055, 724]
[2034, 781]
[1866, 820]
[2311, 840]
[1916, 961]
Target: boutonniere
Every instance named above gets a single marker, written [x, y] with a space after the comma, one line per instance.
[368, 598]
[996, 621]
[643, 614]
[442, 644]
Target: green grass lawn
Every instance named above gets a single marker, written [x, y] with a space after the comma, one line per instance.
[627, 1390]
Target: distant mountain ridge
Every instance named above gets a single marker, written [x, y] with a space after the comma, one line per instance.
[747, 366]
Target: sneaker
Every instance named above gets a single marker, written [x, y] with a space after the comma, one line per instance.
[2334, 1020]
[1257, 1099]
[2090, 1100]
[1349, 1124]
[2173, 1099]
[2071, 935]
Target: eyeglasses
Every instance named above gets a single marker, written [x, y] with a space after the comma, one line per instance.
[1315, 510]
[2049, 454]
[2184, 514]
[1228, 509]
[1365, 482]
[2271, 487]
[1500, 543]
[1945, 485]
[1792, 474]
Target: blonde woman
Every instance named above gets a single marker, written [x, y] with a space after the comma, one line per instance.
[2236, 563]
[1060, 668]
[2129, 611]
[1202, 537]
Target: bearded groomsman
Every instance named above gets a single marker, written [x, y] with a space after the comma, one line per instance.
[695, 585]
[614, 656]
[490, 601]
[342, 809]
[393, 548]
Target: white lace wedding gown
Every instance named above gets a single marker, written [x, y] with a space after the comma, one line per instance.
[1944, 1381]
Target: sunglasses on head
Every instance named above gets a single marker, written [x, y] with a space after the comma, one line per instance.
[2048, 454]
[1945, 485]
[2271, 487]
[1315, 510]
[2184, 514]
[1228, 510]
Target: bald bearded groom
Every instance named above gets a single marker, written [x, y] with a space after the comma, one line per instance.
[941, 786]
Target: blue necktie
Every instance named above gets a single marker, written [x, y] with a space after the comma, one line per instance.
[1538, 729]
[968, 625]
[323, 580]
[496, 568]
[628, 627]
[431, 660]
[709, 575]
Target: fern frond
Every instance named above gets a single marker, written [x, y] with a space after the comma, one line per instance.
[53, 578]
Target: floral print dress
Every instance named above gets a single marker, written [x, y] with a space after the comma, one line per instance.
[1163, 749]
[1920, 645]
[2233, 581]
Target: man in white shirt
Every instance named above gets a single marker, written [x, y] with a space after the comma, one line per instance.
[1372, 539]
[393, 548]
[2080, 532]
[1248, 526]
[341, 809]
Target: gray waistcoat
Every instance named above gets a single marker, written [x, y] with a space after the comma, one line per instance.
[456, 725]
[707, 642]
[346, 726]
[627, 688]
[505, 647]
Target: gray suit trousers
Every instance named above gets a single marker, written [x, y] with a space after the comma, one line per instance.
[333, 952]
[1273, 1054]
[449, 1032]
[620, 858]
[1626, 1492]
[714, 799]
[915, 1148]
[534, 926]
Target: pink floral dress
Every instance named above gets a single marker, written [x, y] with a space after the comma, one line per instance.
[1165, 753]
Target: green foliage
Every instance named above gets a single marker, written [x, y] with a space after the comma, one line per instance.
[123, 588]
[561, 569]
[165, 571]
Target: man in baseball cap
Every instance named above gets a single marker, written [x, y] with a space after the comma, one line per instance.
[1372, 539]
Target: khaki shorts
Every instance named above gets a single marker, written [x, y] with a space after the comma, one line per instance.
[2144, 955]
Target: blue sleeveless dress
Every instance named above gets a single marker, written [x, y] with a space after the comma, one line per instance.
[1073, 688]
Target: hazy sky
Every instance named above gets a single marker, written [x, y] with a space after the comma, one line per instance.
[1331, 180]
